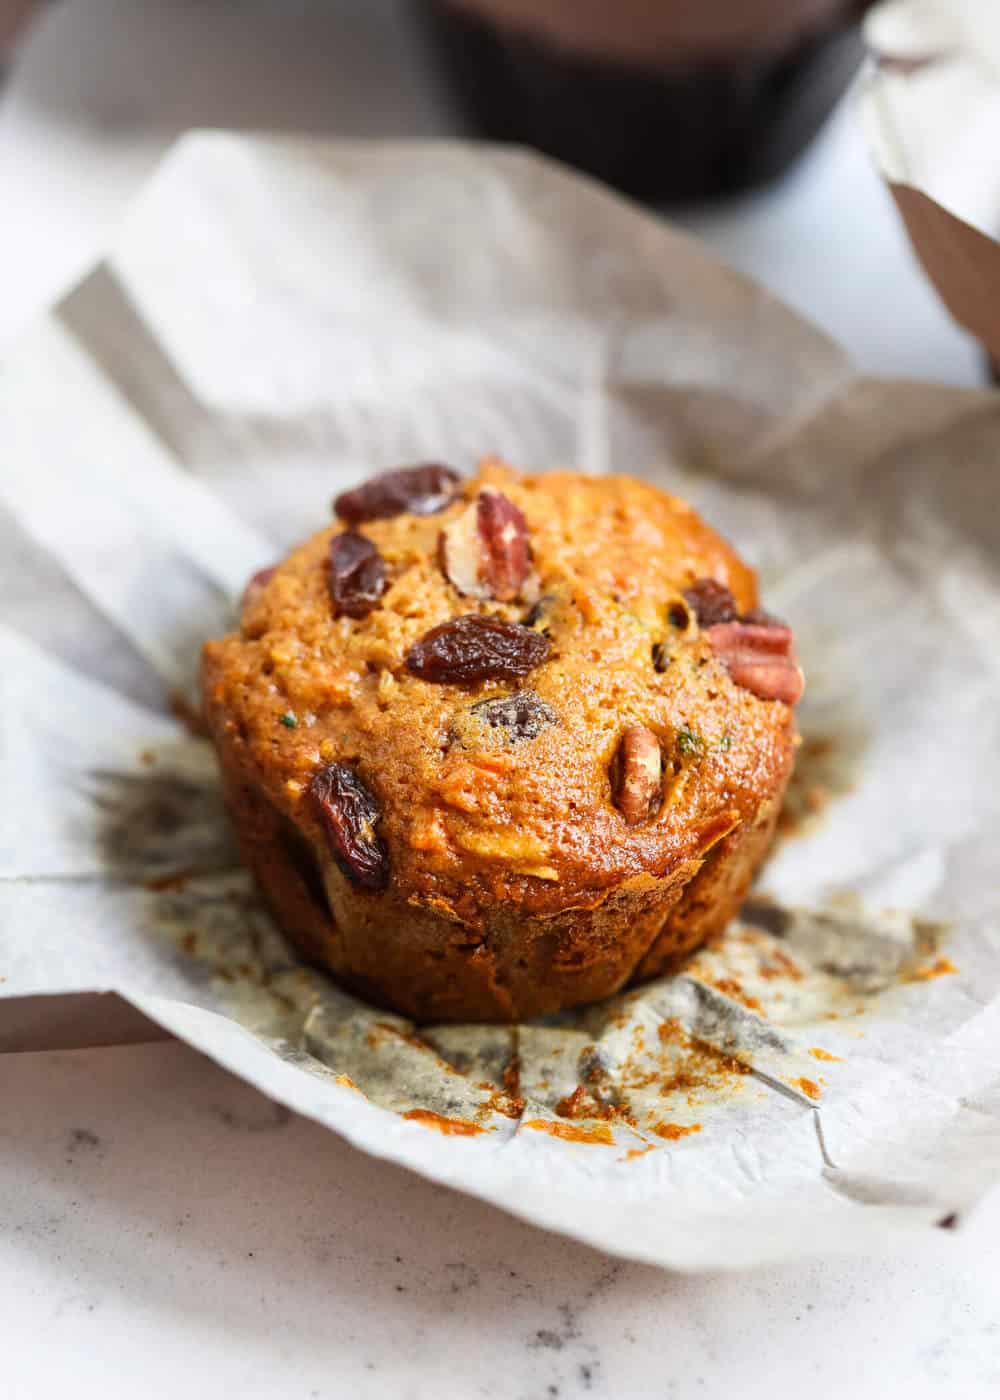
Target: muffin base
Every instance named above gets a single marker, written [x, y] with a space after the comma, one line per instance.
[411, 960]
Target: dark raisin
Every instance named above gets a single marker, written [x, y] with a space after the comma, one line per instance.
[712, 602]
[540, 612]
[661, 656]
[474, 648]
[350, 814]
[521, 717]
[357, 574]
[422, 490]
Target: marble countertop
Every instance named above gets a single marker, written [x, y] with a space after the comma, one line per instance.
[167, 1228]
[164, 1229]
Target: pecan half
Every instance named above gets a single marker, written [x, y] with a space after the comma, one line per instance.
[760, 657]
[357, 574]
[485, 552]
[637, 774]
[349, 814]
[422, 490]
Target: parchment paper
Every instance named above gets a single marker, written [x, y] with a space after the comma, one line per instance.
[279, 319]
[932, 113]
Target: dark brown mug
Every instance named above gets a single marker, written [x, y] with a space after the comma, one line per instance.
[666, 101]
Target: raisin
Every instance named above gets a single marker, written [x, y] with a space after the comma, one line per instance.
[521, 717]
[422, 490]
[357, 574]
[349, 814]
[661, 657]
[712, 601]
[474, 648]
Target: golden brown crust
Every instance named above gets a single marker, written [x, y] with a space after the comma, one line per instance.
[517, 886]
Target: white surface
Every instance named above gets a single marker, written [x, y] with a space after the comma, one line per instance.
[125, 1265]
[168, 1231]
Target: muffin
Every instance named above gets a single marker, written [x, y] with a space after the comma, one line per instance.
[501, 746]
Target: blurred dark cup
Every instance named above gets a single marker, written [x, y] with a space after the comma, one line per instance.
[664, 100]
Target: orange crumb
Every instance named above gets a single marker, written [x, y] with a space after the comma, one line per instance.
[634, 1152]
[729, 987]
[779, 964]
[809, 1088]
[570, 1132]
[819, 1054]
[572, 1106]
[674, 1131]
[451, 1127]
[942, 967]
[507, 1105]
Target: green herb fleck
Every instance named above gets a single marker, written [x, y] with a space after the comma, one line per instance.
[288, 720]
[726, 742]
[688, 741]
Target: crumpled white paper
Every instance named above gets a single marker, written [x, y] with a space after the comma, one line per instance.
[914, 30]
[279, 319]
[931, 111]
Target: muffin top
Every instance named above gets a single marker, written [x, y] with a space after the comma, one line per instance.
[520, 688]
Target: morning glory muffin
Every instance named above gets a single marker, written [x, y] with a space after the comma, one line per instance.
[503, 745]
